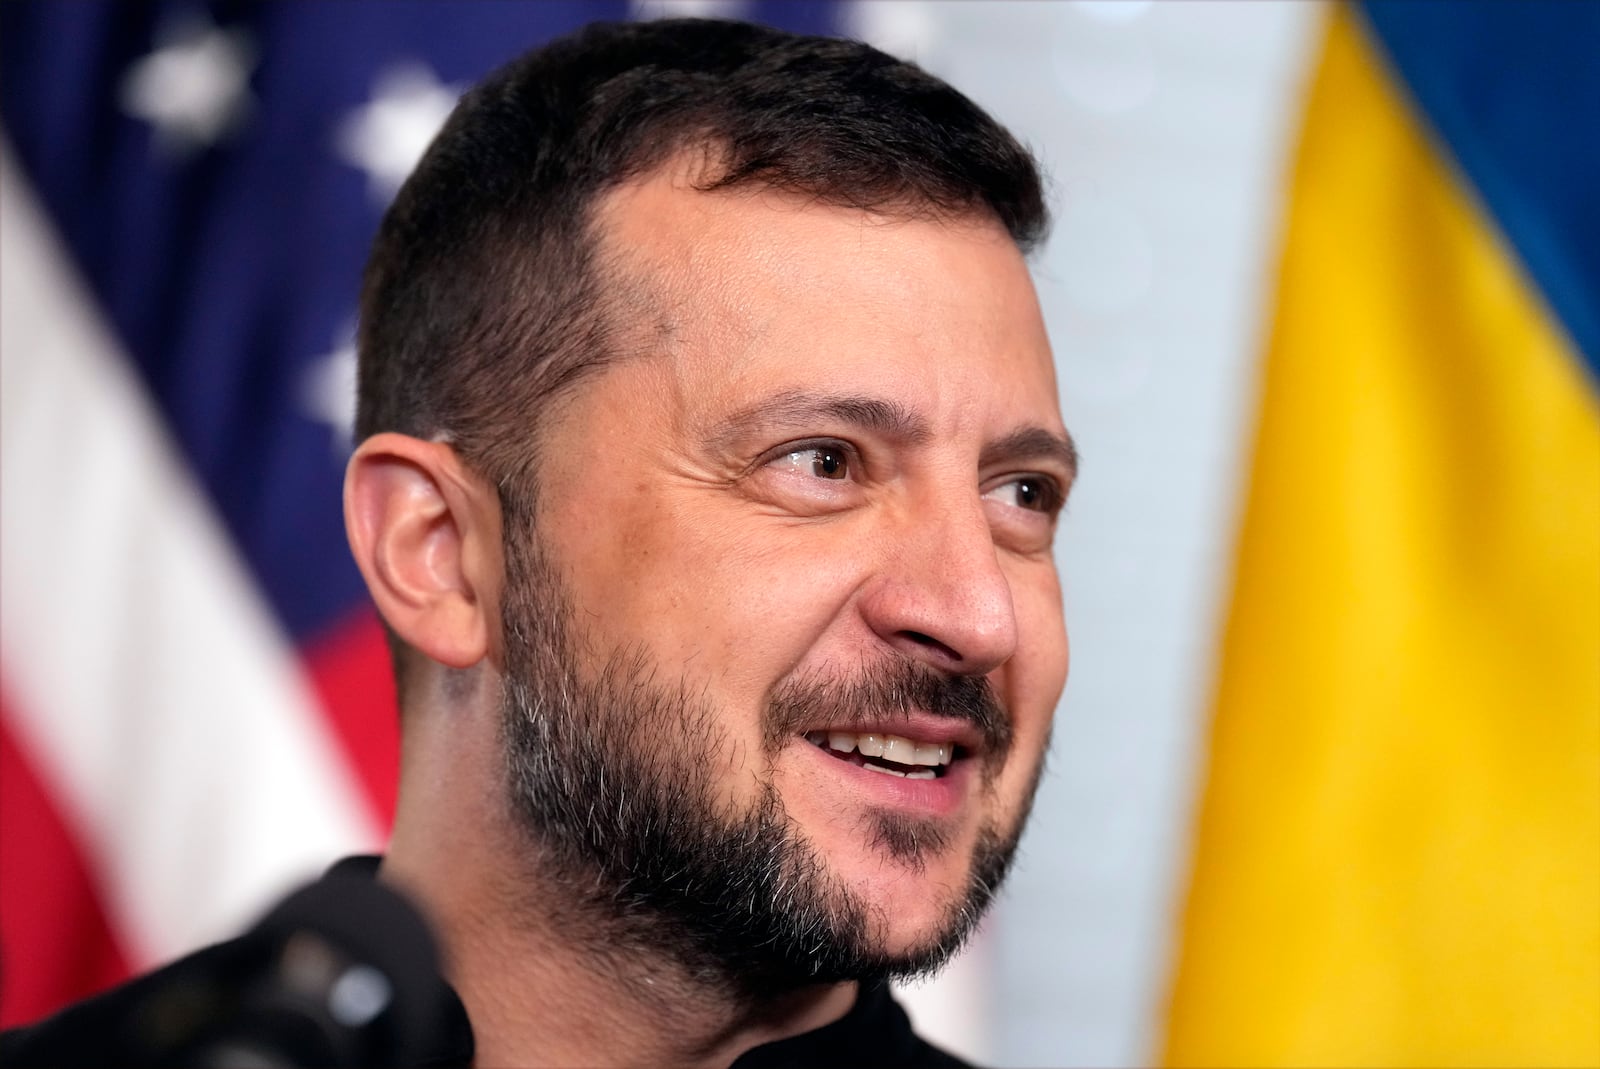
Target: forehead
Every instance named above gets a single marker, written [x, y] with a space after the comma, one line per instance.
[751, 292]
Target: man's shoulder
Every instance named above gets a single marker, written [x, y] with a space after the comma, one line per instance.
[108, 1029]
[875, 1032]
[282, 990]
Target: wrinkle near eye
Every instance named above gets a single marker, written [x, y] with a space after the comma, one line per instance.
[1023, 510]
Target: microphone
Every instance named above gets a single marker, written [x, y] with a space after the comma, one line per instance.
[343, 972]
[351, 974]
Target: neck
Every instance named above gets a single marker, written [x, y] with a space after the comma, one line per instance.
[541, 983]
[538, 996]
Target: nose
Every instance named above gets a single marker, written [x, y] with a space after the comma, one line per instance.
[940, 595]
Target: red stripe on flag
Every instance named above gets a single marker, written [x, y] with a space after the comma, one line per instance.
[55, 943]
[351, 671]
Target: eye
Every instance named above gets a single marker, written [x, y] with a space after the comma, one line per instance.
[828, 463]
[1035, 493]
[824, 461]
[810, 478]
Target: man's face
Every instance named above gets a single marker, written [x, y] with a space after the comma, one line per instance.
[803, 545]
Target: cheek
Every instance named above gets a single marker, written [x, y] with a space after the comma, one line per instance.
[1038, 672]
[766, 599]
[725, 600]
[1034, 681]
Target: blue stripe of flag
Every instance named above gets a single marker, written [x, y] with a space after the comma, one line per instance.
[1513, 91]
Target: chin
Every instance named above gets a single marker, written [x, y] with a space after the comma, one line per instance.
[917, 906]
[920, 948]
[914, 948]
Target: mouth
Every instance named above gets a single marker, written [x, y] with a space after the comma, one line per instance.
[889, 754]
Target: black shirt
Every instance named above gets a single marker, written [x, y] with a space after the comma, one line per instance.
[875, 1032]
[129, 1025]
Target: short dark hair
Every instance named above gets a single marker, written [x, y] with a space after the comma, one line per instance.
[481, 296]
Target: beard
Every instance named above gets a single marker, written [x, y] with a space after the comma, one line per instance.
[613, 776]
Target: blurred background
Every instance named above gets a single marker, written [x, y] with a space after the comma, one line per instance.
[1324, 290]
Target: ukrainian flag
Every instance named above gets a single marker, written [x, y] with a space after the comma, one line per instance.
[1398, 854]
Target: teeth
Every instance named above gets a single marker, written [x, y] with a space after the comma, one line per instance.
[901, 751]
[892, 772]
[926, 773]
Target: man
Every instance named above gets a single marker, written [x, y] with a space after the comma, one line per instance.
[709, 462]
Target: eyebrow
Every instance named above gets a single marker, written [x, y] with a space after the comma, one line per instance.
[1032, 443]
[889, 418]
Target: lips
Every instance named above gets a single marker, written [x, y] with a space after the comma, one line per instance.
[919, 764]
[874, 785]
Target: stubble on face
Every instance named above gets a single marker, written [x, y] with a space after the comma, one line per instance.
[613, 775]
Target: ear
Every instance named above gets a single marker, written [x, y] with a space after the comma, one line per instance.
[425, 532]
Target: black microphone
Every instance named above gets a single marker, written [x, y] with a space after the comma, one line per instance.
[343, 972]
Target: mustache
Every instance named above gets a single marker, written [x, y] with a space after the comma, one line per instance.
[891, 688]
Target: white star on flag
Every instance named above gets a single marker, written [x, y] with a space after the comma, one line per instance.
[687, 9]
[328, 392]
[388, 135]
[194, 87]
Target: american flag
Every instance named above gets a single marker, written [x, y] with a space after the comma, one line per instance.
[197, 707]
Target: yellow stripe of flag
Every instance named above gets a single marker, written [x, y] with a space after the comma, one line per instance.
[1398, 853]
